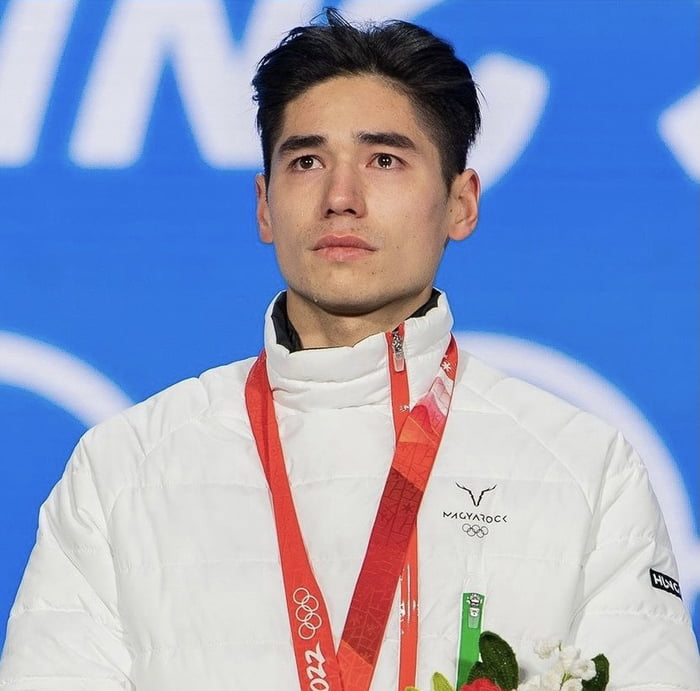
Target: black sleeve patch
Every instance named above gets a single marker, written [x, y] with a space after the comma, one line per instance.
[663, 582]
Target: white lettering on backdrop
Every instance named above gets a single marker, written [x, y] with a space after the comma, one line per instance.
[212, 72]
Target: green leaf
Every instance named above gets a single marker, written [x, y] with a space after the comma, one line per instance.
[499, 661]
[602, 675]
[411, 688]
[440, 683]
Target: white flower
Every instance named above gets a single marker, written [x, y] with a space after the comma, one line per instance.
[546, 647]
[552, 677]
[573, 665]
[530, 685]
[556, 669]
[569, 657]
[534, 684]
[566, 664]
[546, 682]
[584, 669]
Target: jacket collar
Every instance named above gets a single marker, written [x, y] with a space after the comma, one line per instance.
[334, 378]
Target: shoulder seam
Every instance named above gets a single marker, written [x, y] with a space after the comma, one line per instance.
[146, 453]
[544, 444]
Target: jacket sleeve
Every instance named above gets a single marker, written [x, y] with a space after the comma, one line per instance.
[643, 630]
[64, 632]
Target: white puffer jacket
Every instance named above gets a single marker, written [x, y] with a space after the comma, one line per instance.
[156, 565]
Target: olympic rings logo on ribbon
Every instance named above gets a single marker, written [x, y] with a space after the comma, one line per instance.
[475, 530]
[306, 613]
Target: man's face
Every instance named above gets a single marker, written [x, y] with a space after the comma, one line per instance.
[356, 204]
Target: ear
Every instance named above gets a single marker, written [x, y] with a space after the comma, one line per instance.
[464, 204]
[262, 212]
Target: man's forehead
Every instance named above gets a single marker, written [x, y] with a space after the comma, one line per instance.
[366, 110]
[370, 103]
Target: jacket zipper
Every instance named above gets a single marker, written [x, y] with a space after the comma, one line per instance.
[397, 350]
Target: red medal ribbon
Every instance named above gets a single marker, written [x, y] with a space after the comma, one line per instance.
[392, 545]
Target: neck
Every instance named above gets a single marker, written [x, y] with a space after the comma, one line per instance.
[322, 328]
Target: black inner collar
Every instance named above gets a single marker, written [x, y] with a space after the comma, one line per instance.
[288, 336]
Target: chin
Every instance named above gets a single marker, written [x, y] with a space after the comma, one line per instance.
[351, 303]
[348, 307]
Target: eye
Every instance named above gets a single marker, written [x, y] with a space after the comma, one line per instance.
[305, 163]
[386, 161]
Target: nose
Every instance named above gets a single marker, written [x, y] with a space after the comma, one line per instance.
[344, 193]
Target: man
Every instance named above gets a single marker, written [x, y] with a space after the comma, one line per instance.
[236, 530]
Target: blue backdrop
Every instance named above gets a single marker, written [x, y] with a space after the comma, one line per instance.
[129, 257]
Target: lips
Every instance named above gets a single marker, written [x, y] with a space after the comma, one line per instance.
[343, 249]
[349, 241]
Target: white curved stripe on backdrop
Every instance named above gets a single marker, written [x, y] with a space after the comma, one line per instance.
[60, 378]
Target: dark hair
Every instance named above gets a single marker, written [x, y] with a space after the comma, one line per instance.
[420, 65]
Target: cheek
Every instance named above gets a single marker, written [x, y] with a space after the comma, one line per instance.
[287, 224]
[431, 203]
[427, 226]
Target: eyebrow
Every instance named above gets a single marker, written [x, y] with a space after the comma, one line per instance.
[299, 142]
[392, 139]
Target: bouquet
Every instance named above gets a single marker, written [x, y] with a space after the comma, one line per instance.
[497, 670]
